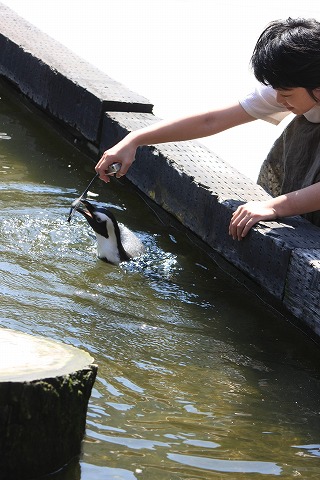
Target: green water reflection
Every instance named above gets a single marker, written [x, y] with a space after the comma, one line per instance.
[198, 379]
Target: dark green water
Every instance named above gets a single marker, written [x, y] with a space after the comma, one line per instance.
[198, 379]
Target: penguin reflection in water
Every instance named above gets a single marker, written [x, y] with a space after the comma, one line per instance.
[115, 242]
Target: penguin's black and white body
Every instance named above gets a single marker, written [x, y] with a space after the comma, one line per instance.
[115, 242]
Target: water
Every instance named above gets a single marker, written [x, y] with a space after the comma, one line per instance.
[198, 379]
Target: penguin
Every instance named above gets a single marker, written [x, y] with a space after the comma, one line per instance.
[115, 242]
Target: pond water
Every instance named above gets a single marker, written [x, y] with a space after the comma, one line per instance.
[198, 378]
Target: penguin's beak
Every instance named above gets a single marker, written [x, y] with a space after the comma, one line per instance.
[88, 211]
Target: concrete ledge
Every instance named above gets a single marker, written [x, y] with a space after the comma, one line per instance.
[302, 295]
[58, 81]
[186, 179]
[202, 191]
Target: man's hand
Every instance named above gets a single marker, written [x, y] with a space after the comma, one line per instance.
[122, 153]
[248, 215]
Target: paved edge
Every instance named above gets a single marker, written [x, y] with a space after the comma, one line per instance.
[186, 179]
[58, 81]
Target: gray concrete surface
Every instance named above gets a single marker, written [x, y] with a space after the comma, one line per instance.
[58, 81]
[186, 179]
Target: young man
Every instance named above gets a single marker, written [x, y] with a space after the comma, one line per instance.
[286, 62]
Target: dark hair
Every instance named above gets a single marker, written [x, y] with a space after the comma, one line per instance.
[287, 54]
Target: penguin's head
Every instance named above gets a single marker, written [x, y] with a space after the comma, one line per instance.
[99, 218]
[107, 230]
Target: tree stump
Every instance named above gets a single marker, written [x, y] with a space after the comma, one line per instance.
[45, 388]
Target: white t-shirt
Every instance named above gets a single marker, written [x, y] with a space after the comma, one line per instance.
[262, 104]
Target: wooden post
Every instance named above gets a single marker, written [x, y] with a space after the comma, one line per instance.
[45, 388]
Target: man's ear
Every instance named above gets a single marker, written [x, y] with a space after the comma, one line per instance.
[316, 93]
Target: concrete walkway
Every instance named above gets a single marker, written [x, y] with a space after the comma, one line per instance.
[186, 179]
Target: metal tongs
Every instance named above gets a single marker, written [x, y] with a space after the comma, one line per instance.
[114, 168]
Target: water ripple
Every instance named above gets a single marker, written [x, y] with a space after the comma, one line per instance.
[231, 466]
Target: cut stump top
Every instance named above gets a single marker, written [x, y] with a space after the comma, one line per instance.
[25, 357]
